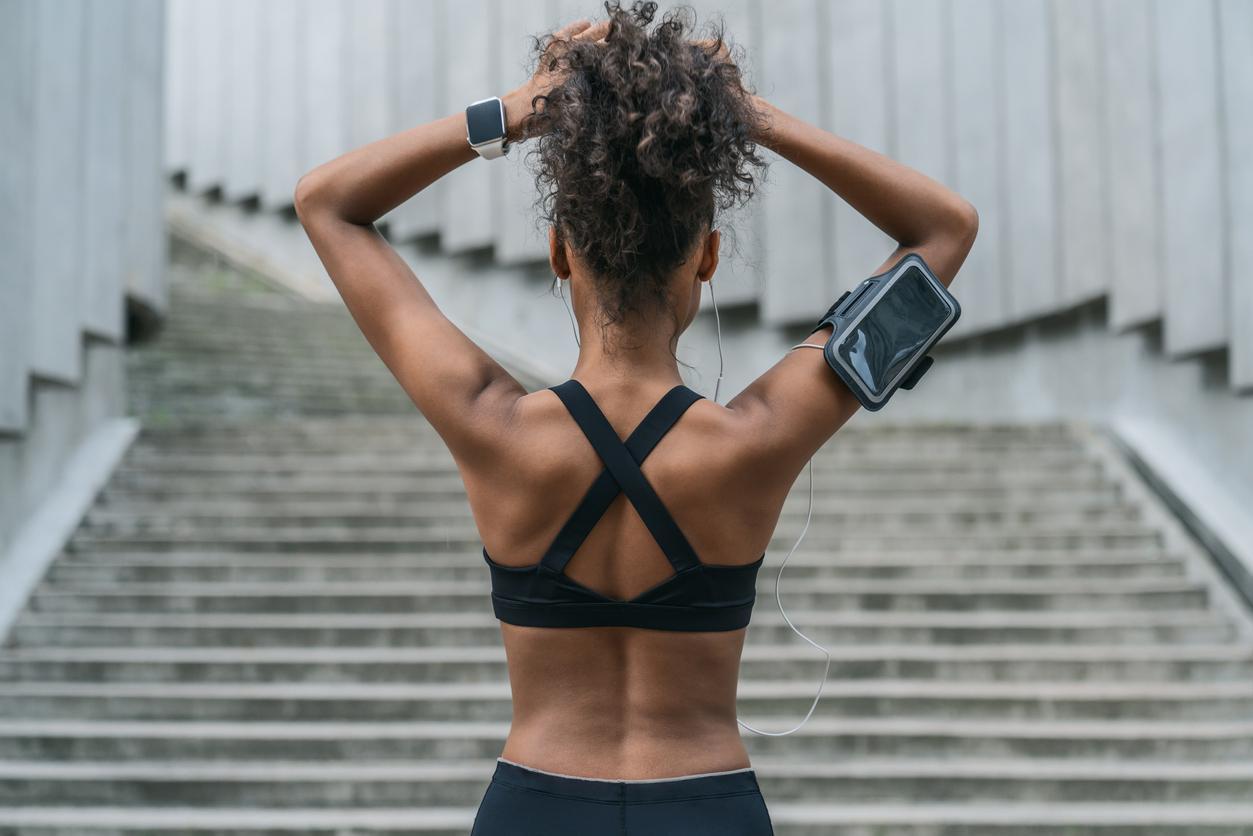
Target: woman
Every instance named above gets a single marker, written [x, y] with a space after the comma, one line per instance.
[623, 573]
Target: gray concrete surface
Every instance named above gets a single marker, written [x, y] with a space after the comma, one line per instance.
[275, 617]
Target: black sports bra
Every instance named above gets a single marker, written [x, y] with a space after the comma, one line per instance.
[697, 597]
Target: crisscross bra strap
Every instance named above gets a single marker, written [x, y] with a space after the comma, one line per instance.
[622, 473]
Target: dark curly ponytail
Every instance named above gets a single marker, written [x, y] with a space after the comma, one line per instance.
[646, 140]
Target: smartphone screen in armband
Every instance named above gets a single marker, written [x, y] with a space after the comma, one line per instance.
[885, 331]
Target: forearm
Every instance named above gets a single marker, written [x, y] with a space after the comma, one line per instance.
[906, 204]
[366, 183]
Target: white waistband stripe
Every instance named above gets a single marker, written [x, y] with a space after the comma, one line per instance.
[626, 780]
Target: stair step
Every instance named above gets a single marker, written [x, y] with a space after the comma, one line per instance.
[123, 522]
[256, 630]
[919, 484]
[431, 456]
[850, 738]
[106, 569]
[975, 663]
[469, 595]
[471, 556]
[417, 538]
[1143, 818]
[761, 701]
[825, 507]
[461, 783]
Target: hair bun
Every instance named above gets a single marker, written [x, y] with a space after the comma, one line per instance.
[646, 140]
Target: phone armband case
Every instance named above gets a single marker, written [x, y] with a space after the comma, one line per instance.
[883, 328]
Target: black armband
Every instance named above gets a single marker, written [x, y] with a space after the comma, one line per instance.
[883, 328]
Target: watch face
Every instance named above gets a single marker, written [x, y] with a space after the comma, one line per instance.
[485, 121]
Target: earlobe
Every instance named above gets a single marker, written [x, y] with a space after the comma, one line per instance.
[557, 255]
[709, 259]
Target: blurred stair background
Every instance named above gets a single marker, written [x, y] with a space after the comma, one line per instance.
[275, 620]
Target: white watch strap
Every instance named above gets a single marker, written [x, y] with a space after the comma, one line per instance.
[492, 150]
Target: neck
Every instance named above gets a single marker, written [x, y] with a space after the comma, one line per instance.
[640, 353]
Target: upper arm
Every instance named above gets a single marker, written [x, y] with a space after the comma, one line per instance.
[793, 408]
[465, 394]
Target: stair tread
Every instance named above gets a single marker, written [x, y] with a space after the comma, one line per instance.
[1230, 651]
[976, 618]
[1122, 729]
[320, 819]
[278, 771]
[499, 689]
[481, 586]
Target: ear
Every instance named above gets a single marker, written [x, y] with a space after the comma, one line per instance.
[557, 255]
[709, 256]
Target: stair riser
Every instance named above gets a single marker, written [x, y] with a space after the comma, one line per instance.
[411, 463]
[1011, 486]
[157, 492]
[381, 793]
[414, 441]
[868, 437]
[70, 572]
[825, 509]
[71, 602]
[124, 523]
[818, 747]
[244, 405]
[345, 392]
[414, 470]
[27, 635]
[782, 709]
[349, 542]
[888, 827]
[1009, 827]
[471, 555]
[414, 672]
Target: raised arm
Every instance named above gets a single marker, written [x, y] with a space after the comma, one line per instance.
[920, 214]
[795, 406]
[466, 395]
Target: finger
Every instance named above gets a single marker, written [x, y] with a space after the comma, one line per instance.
[572, 29]
[595, 32]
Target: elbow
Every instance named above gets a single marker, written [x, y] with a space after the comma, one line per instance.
[967, 222]
[965, 225]
[306, 196]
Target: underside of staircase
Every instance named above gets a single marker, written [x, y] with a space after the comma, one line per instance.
[275, 620]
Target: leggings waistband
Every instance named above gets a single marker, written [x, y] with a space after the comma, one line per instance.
[627, 789]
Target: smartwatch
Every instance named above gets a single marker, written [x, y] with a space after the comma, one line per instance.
[485, 128]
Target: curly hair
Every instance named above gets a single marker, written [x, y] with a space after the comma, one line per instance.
[645, 142]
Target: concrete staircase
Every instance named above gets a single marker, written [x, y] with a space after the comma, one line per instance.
[275, 621]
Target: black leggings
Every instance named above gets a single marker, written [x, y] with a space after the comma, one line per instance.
[521, 801]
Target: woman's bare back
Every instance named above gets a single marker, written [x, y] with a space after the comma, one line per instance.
[624, 702]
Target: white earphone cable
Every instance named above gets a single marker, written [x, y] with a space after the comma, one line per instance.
[778, 580]
[574, 329]
[718, 325]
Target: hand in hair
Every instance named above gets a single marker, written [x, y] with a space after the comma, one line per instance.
[643, 139]
[550, 72]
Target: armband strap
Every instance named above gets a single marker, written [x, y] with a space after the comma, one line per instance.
[826, 316]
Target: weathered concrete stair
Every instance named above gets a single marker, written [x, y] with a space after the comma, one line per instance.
[275, 620]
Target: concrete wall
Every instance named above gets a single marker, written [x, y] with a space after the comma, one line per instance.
[81, 224]
[1108, 147]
